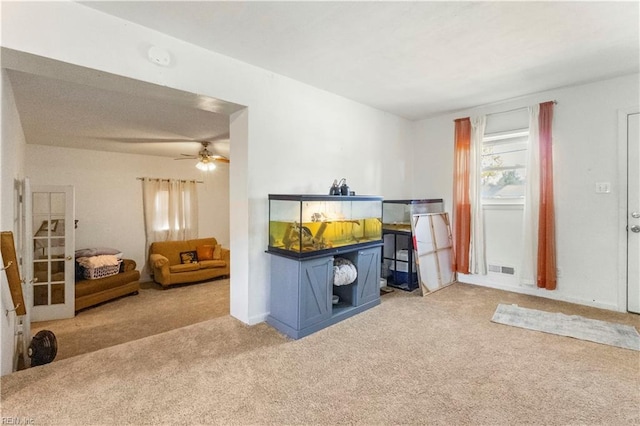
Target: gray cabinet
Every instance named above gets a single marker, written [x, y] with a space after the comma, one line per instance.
[302, 291]
[315, 284]
[368, 282]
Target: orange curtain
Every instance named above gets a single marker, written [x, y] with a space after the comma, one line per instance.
[546, 218]
[462, 206]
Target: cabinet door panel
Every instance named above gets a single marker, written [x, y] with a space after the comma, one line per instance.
[368, 275]
[315, 291]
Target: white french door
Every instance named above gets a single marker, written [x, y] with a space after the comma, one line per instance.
[633, 212]
[49, 251]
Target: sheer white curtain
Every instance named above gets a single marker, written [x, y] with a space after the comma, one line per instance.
[477, 258]
[528, 269]
[170, 209]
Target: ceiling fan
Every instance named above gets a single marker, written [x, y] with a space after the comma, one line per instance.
[206, 158]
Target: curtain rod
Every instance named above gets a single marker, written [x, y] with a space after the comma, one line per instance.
[167, 180]
[514, 109]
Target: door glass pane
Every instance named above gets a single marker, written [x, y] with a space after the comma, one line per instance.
[57, 203]
[40, 248]
[57, 238]
[40, 203]
[41, 271]
[57, 294]
[40, 295]
[57, 269]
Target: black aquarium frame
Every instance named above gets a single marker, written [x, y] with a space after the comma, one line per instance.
[331, 251]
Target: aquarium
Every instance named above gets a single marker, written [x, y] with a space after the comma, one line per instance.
[309, 225]
[396, 214]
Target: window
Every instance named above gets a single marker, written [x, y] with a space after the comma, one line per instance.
[504, 159]
[170, 209]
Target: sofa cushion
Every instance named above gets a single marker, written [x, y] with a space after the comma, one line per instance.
[217, 252]
[205, 252]
[184, 267]
[212, 264]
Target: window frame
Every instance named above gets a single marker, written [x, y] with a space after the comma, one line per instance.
[494, 139]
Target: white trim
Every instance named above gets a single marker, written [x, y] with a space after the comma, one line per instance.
[622, 204]
[540, 292]
[490, 202]
[257, 319]
[509, 134]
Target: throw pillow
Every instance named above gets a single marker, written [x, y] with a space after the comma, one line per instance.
[205, 252]
[217, 252]
[189, 257]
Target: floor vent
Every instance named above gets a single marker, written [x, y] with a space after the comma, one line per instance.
[494, 268]
[502, 269]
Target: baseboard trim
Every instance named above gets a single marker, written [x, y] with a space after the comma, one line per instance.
[257, 319]
[554, 295]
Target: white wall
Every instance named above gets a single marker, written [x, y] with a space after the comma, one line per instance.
[585, 132]
[298, 138]
[12, 149]
[108, 195]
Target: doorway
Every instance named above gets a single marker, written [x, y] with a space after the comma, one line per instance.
[49, 267]
[49, 68]
[629, 151]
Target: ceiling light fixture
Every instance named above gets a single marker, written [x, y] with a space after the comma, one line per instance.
[206, 160]
[206, 164]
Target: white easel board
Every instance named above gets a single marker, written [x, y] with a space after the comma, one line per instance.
[433, 250]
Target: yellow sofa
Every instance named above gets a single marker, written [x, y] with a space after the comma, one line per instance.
[167, 268]
[93, 292]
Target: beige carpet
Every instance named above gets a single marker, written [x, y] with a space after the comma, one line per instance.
[152, 311]
[411, 360]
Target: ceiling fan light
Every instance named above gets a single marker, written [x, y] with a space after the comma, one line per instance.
[205, 164]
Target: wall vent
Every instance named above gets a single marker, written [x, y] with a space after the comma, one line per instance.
[509, 270]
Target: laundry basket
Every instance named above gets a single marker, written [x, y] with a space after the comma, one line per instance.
[101, 271]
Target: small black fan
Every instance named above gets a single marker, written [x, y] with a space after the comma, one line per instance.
[43, 348]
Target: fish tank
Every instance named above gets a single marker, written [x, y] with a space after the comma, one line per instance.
[396, 214]
[313, 225]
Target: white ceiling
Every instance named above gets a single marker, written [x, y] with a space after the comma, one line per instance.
[65, 113]
[413, 59]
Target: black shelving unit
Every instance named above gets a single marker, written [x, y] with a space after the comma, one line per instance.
[401, 239]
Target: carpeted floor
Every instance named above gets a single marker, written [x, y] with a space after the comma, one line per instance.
[152, 311]
[436, 360]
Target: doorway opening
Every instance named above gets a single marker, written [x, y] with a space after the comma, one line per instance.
[121, 163]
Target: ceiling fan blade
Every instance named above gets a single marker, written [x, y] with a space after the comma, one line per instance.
[186, 158]
[220, 159]
[147, 140]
